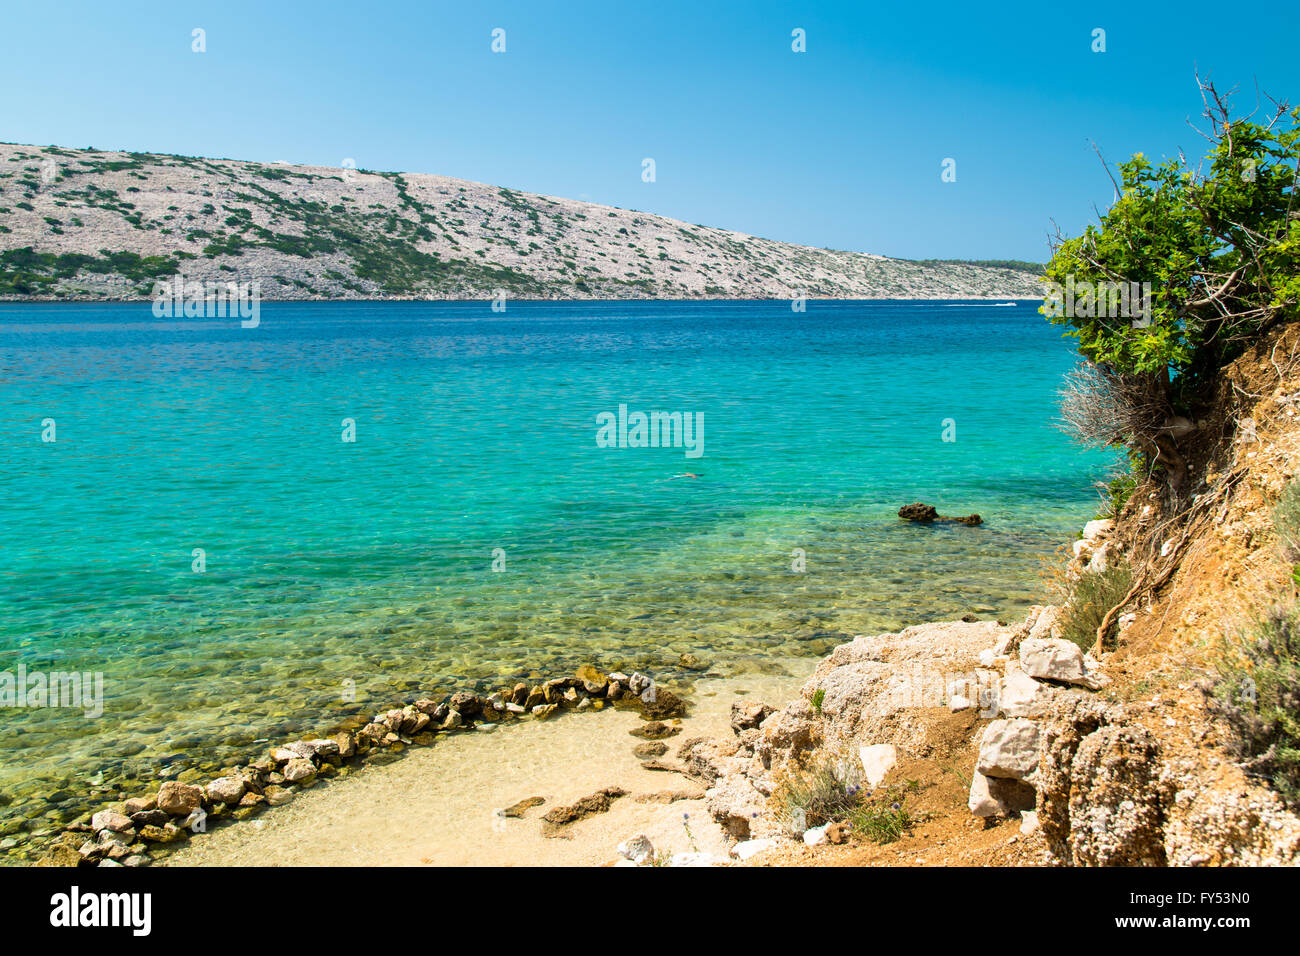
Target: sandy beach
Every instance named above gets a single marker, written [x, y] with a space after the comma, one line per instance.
[441, 805]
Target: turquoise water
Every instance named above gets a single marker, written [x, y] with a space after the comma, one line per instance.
[371, 562]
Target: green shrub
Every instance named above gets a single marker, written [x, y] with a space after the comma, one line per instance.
[880, 822]
[1257, 692]
[1093, 596]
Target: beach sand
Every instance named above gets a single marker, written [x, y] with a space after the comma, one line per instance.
[440, 805]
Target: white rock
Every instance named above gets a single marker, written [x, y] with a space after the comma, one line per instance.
[996, 796]
[748, 848]
[1099, 561]
[1009, 748]
[1053, 659]
[639, 849]
[626, 863]
[987, 657]
[815, 836]
[1019, 694]
[957, 702]
[1045, 624]
[877, 761]
[691, 859]
[1028, 822]
[1080, 548]
[1095, 529]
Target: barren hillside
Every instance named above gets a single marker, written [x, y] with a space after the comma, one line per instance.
[86, 224]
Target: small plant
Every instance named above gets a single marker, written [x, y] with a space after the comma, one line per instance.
[880, 823]
[690, 837]
[822, 792]
[829, 792]
[1257, 692]
[1092, 598]
[818, 698]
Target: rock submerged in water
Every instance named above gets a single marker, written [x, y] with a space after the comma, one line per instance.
[928, 514]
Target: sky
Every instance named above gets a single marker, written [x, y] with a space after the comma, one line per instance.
[840, 146]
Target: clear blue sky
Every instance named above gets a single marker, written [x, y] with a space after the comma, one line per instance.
[840, 146]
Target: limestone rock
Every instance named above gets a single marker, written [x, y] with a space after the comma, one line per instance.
[999, 796]
[734, 803]
[1009, 748]
[639, 849]
[1104, 803]
[877, 761]
[1054, 659]
[747, 714]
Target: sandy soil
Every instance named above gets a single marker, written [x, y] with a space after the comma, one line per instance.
[440, 806]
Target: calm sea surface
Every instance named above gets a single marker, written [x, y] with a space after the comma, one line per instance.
[331, 565]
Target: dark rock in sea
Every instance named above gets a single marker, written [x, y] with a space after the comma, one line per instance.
[928, 514]
[918, 512]
[650, 750]
[663, 703]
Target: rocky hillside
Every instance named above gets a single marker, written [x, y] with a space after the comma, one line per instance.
[86, 224]
[982, 743]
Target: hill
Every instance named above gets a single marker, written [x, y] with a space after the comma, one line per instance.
[87, 224]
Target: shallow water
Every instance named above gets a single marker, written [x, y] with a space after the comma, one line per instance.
[364, 569]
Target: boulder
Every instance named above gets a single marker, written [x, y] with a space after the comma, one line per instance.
[467, 704]
[179, 799]
[999, 796]
[786, 736]
[1019, 695]
[1057, 660]
[299, 771]
[748, 714]
[593, 681]
[1104, 800]
[226, 790]
[169, 833]
[734, 803]
[277, 796]
[1009, 748]
[918, 512]
[111, 820]
[706, 759]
